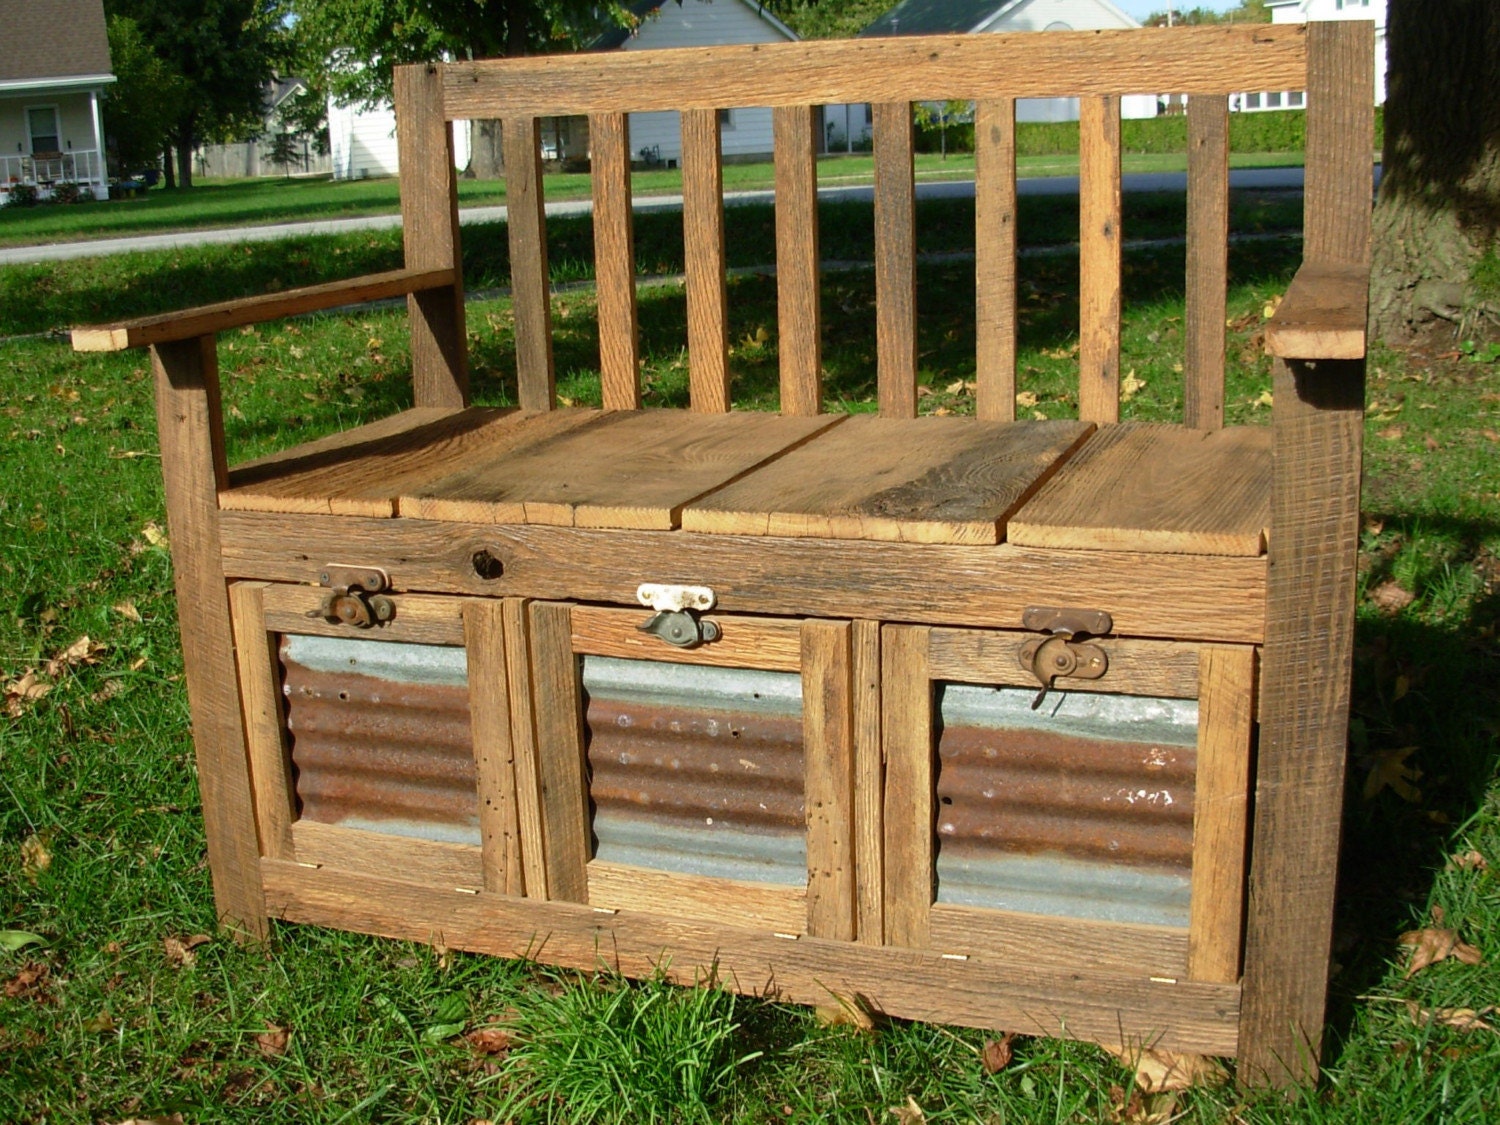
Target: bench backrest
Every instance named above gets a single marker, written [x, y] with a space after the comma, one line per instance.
[1206, 63]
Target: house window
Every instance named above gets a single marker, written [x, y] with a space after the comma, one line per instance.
[41, 124]
[1252, 101]
[726, 119]
[1296, 99]
[1273, 100]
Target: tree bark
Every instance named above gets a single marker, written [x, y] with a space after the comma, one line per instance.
[185, 153]
[169, 170]
[485, 161]
[1439, 206]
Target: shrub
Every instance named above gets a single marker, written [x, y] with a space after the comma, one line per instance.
[21, 195]
[67, 192]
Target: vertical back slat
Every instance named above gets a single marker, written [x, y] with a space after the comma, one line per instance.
[530, 299]
[1207, 261]
[429, 220]
[995, 258]
[906, 732]
[614, 261]
[703, 249]
[869, 786]
[1336, 203]
[494, 752]
[1099, 259]
[895, 260]
[798, 317]
[828, 779]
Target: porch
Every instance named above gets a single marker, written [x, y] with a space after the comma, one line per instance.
[46, 170]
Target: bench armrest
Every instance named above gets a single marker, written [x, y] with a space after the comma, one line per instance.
[1323, 313]
[209, 319]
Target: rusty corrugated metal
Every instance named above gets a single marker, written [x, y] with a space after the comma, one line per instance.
[1083, 807]
[380, 736]
[697, 769]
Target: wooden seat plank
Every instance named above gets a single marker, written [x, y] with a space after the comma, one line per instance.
[922, 480]
[361, 472]
[1157, 487]
[633, 469]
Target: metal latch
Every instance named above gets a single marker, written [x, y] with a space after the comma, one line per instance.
[1062, 654]
[676, 618]
[354, 596]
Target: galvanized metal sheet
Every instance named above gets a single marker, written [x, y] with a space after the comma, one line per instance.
[697, 769]
[380, 736]
[1083, 807]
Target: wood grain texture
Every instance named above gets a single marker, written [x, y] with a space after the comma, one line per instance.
[494, 754]
[208, 319]
[828, 782]
[431, 863]
[1213, 598]
[1206, 60]
[265, 731]
[907, 734]
[1318, 421]
[922, 480]
[895, 260]
[420, 618]
[1323, 313]
[530, 294]
[614, 261]
[910, 984]
[703, 260]
[365, 472]
[869, 785]
[799, 321]
[525, 747]
[562, 769]
[429, 226]
[671, 894]
[1165, 669]
[1221, 809]
[1099, 242]
[1053, 942]
[189, 428]
[1154, 487]
[995, 259]
[744, 642]
[626, 469]
[1207, 261]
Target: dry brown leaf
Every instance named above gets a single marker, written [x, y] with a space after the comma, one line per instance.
[923, 390]
[128, 611]
[1433, 944]
[1391, 597]
[910, 1113]
[30, 982]
[1491, 435]
[1469, 860]
[35, 857]
[957, 387]
[1026, 399]
[21, 693]
[1265, 398]
[1460, 1019]
[1157, 1071]
[180, 950]
[845, 1011]
[102, 1024]
[1392, 433]
[154, 534]
[1390, 770]
[272, 1042]
[171, 1119]
[1130, 386]
[83, 651]
[1432, 443]
[997, 1053]
[489, 1040]
[1272, 304]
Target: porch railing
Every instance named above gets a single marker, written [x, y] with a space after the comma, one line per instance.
[75, 166]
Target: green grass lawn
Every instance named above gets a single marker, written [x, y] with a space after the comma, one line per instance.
[232, 203]
[119, 1012]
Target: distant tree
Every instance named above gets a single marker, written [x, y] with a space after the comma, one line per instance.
[1249, 11]
[141, 106]
[225, 52]
[830, 19]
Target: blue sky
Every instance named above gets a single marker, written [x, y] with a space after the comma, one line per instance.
[1140, 9]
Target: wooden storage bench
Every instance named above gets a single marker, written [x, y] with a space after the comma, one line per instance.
[1028, 725]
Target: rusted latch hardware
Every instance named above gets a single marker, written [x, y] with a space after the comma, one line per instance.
[676, 618]
[1062, 654]
[354, 596]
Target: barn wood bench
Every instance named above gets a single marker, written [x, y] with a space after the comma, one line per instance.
[424, 706]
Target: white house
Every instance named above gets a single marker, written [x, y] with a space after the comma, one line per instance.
[54, 64]
[1305, 11]
[362, 141]
[983, 17]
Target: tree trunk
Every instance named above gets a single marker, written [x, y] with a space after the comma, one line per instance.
[185, 153]
[485, 160]
[1439, 207]
[169, 173]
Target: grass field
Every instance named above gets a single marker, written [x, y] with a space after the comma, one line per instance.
[232, 203]
[127, 1005]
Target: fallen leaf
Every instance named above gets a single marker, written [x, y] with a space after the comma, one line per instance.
[1392, 433]
[845, 1011]
[83, 651]
[1433, 944]
[154, 534]
[1026, 399]
[12, 940]
[1391, 596]
[170, 1119]
[101, 1024]
[1265, 399]
[1157, 1071]
[127, 610]
[910, 1113]
[272, 1042]
[1491, 435]
[957, 387]
[1460, 1019]
[1271, 306]
[26, 690]
[490, 1040]
[997, 1053]
[1391, 771]
[1432, 443]
[923, 390]
[1130, 385]
[29, 983]
[1470, 860]
[35, 857]
[180, 950]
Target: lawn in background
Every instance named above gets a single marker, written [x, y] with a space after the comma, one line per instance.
[131, 1007]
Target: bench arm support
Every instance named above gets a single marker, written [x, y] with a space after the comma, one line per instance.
[1323, 314]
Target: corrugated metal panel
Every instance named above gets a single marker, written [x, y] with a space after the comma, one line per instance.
[697, 769]
[380, 736]
[1083, 807]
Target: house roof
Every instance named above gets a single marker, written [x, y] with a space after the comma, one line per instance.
[642, 9]
[958, 17]
[52, 39]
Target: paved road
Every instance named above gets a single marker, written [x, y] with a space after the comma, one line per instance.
[1264, 178]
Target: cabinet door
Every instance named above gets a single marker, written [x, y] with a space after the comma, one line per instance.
[1102, 827]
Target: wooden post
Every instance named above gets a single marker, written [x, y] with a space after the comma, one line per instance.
[906, 727]
[614, 262]
[799, 323]
[895, 260]
[526, 228]
[1099, 259]
[995, 259]
[828, 751]
[191, 434]
[429, 221]
[1318, 421]
[1207, 261]
[703, 260]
